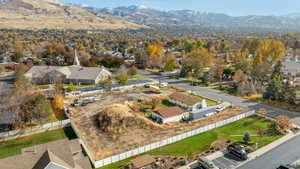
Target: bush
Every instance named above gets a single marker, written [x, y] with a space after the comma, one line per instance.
[144, 107]
[122, 77]
[72, 88]
[283, 123]
[133, 71]
[261, 132]
[247, 138]
[262, 112]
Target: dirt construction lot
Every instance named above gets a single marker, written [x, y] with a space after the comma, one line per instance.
[104, 144]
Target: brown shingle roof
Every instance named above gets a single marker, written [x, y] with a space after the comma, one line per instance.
[48, 157]
[183, 98]
[170, 111]
[142, 161]
[38, 156]
[75, 146]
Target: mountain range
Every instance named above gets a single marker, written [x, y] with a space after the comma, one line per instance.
[53, 14]
[149, 16]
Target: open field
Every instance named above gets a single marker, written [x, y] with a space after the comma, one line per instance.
[103, 144]
[200, 143]
[13, 147]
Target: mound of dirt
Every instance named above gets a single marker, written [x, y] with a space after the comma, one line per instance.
[120, 118]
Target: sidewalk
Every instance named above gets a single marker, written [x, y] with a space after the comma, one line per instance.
[252, 155]
[272, 145]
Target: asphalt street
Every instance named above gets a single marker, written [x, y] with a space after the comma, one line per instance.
[220, 96]
[284, 154]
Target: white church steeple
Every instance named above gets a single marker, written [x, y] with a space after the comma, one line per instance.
[76, 60]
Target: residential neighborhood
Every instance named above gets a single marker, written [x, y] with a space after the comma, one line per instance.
[149, 85]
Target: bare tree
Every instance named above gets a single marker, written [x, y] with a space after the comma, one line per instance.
[283, 123]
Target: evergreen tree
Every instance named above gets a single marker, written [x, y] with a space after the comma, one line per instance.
[247, 138]
[275, 89]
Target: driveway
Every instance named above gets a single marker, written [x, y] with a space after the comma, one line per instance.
[228, 161]
[217, 95]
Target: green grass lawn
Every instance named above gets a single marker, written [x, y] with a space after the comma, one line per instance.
[208, 101]
[201, 142]
[77, 86]
[13, 147]
[48, 86]
[191, 145]
[227, 89]
[138, 77]
[252, 125]
[117, 165]
[166, 103]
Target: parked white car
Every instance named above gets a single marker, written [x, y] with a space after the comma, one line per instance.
[223, 106]
[163, 84]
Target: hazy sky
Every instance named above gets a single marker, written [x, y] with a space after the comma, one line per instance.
[232, 7]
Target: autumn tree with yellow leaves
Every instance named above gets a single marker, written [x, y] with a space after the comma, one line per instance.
[155, 52]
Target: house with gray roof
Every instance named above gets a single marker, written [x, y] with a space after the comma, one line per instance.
[68, 74]
[291, 69]
[61, 154]
[75, 74]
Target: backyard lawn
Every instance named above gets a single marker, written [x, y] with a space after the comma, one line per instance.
[166, 103]
[208, 101]
[117, 165]
[201, 142]
[13, 147]
[234, 132]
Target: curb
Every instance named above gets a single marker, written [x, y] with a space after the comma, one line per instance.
[267, 148]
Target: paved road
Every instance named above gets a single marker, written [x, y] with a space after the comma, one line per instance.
[217, 95]
[286, 153]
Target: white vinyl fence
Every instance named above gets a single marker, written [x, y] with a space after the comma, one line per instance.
[174, 139]
[32, 130]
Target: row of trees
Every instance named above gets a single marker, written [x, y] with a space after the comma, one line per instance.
[279, 89]
[26, 104]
